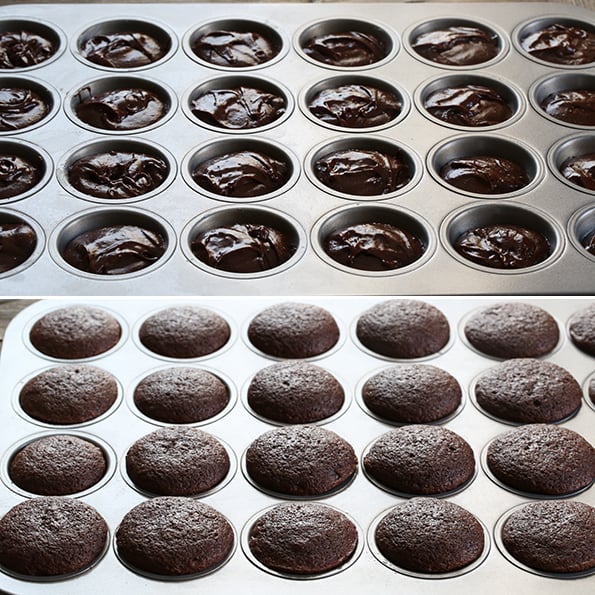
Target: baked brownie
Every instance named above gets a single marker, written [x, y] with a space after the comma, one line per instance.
[295, 393]
[69, 394]
[412, 393]
[552, 536]
[581, 328]
[300, 461]
[412, 460]
[177, 461]
[512, 329]
[58, 465]
[174, 536]
[181, 395]
[528, 391]
[75, 332]
[403, 329]
[304, 538]
[430, 535]
[184, 332]
[542, 459]
[51, 536]
[293, 330]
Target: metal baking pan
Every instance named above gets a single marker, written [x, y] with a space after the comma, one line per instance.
[238, 499]
[178, 209]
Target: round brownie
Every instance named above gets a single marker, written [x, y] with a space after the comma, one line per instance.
[403, 329]
[51, 536]
[528, 391]
[69, 394]
[542, 459]
[420, 459]
[184, 332]
[295, 393]
[412, 393]
[174, 536]
[512, 329]
[293, 330]
[430, 535]
[552, 536]
[300, 461]
[177, 461]
[581, 328]
[75, 332]
[181, 395]
[303, 538]
[58, 465]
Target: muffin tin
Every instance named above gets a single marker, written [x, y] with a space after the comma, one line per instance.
[304, 206]
[237, 427]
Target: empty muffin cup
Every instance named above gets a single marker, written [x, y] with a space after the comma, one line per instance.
[581, 231]
[243, 242]
[120, 104]
[532, 238]
[121, 170]
[572, 161]
[232, 44]
[124, 44]
[22, 242]
[25, 168]
[89, 244]
[343, 43]
[485, 166]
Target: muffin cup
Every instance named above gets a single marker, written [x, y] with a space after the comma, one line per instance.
[580, 225]
[567, 148]
[10, 216]
[367, 213]
[586, 384]
[114, 83]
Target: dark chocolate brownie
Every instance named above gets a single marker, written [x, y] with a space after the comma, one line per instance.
[184, 332]
[581, 328]
[412, 460]
[174, 536]
[430, 535]
[542, 459]
[181, 395]
[304, 538]
[412, 393]
[300, 461]
[512, 329]
[69, 394]
[295, 393]
[58, 465]
[528, 391]
[403, 329]
[293, 330]
[552, 536]
[75, 332]
[177, 461]
[51, 536]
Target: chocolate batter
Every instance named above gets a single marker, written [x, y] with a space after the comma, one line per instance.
[561, 44]
[235, 49]
[580, 170]
[20, 108]
[125, 49]
[17, 175]
[20, 49]
[576, 106]
[347, 49]
[17, 243]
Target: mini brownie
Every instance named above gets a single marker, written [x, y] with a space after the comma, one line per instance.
[75, 332]
[295, 393]
[412, 393]
[300, 461]
[420, 459]
[403, 329]
[542, 459]
[293, 330]
[528, 391]
[430, 535]
[51, 536]
[181, 395]
[303, 538]
[552, 536]
[184, 332]
[511, 329]
[177, 461]
[58, 465]
[69, 394]
[581, 328]
[174, 536]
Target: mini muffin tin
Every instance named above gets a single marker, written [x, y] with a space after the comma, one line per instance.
[237, 498]
[307, 209]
